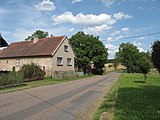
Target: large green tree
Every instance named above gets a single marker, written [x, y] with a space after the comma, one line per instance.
[129, 56]
[89, 50]
[38, 34]
[156, 55]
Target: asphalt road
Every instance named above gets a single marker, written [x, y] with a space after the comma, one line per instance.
[54, 102]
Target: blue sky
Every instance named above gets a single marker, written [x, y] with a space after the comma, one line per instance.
[111, 20]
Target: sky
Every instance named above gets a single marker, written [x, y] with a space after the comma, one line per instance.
[112, 20]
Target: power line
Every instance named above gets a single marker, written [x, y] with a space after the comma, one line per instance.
[143, 35]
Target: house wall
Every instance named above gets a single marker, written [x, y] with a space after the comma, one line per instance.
[50, 63]
[61, 53]
[8, 64]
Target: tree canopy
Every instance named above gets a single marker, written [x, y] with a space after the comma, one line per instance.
[156, 55]
[135, 61]
[89, 50]
[38, 34]
[129, 56]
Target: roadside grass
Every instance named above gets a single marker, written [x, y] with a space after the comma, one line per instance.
[46, 81]
[134, 99]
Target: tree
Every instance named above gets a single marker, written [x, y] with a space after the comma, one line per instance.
[89, 50]
[129, 55]
[145, 65]
[116, 62]
[38, 34]
[156, 55]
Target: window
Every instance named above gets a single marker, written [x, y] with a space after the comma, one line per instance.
[65, 48]
[59, 61]
[17, 62]
[69, 61]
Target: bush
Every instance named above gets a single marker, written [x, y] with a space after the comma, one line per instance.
[10, 78]
[32, 72]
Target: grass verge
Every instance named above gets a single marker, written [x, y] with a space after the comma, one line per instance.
[135, 100]
[46, 81]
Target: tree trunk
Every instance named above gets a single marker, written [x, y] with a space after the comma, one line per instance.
[145, 77]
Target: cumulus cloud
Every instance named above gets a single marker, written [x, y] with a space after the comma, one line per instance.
[125, 29]
[46, 5]
[108, 3]
[96, 29]
[89, 19]
[141, 49]
[71, 30]
[76, 1]
[118, 34]
[111, 48]
[121, 15]
[110, 39]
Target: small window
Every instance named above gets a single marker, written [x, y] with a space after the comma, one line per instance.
[65, 48]
[59, 61]
[17, 62]
[69, 61]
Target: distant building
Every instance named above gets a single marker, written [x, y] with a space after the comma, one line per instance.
[52, 54]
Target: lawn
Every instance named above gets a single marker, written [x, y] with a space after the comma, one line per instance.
[133, 99]
[46, 81]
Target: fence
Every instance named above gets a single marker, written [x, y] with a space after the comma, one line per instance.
[66, 74]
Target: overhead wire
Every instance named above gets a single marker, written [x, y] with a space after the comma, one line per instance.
[142, 35]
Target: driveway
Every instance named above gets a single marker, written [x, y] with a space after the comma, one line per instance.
[54, 102]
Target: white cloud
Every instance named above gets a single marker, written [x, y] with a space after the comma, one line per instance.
[96, 29]
[71, 30]
[76, 1]
[110, 39]
[111, 48]
[115, 33]
[141, 49]
[46, 5]
[20, 34]
[137, 43]
[108, 3]
[82, 19]
[5, 32]
[121, 15]
[89, 19]
[125, 29]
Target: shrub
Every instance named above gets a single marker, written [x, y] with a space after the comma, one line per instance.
[32, 72]
[10, 78]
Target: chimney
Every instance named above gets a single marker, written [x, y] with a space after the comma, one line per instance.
[35, 39]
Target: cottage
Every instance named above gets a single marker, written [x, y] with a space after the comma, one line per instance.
[52, 54]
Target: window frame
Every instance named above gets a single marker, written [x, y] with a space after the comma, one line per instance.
[69, 63]
[17, 62]
[66, 48]
[60, 63]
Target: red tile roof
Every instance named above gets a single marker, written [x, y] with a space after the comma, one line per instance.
[43, 47]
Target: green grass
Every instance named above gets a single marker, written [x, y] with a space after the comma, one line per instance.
[135, 100]
[46, 81]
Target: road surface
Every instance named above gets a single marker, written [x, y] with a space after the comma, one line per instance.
[54, 102]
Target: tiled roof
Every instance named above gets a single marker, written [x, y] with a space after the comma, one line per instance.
[43, 47]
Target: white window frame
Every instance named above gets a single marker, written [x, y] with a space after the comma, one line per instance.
[69, 61]
[17, 62]
[66, 48]
[59, 61]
